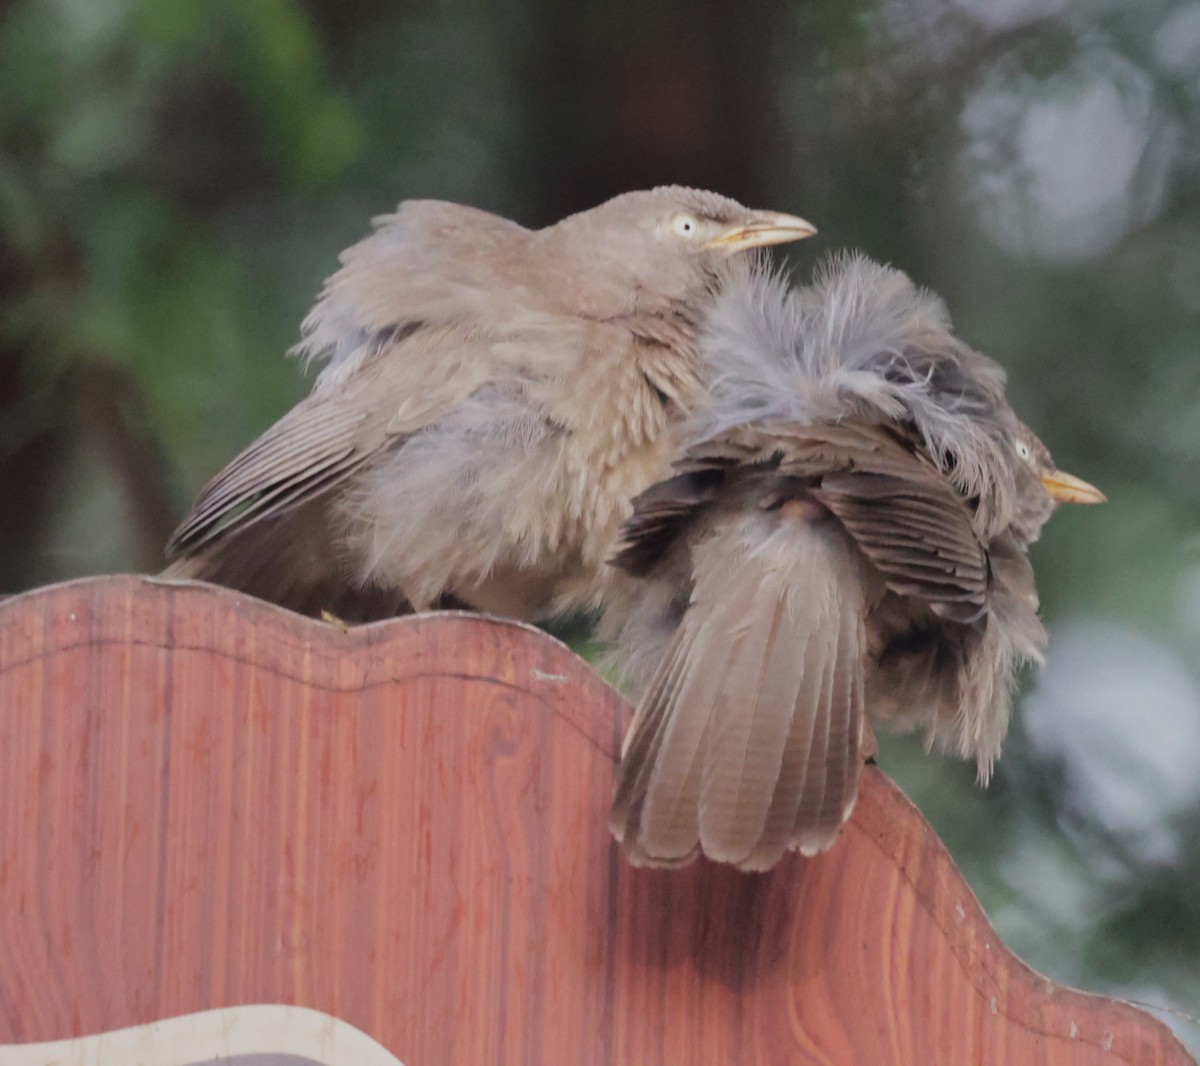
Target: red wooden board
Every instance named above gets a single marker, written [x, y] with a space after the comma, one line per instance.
[206, 801]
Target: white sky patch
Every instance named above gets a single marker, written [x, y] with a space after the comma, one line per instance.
[1122, 715]
[1063, 167]
[1177, 42]
[1082, 149]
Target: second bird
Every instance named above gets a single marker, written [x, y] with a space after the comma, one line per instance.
[492, 399]
[844, 542]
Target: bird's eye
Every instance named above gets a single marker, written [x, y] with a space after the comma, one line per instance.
[1024, 451]
[685, 226]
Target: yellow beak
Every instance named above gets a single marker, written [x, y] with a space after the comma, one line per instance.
[763, 228]
[1066, 488]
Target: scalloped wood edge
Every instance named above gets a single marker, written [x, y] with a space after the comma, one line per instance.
[207, 801]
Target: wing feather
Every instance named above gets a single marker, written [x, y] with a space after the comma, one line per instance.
[335, 432]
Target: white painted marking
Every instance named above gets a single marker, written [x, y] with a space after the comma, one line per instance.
[288, 1036]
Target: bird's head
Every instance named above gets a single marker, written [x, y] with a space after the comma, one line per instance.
[1041, 486]
[660, 245]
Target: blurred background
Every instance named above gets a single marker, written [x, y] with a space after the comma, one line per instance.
[178, 176]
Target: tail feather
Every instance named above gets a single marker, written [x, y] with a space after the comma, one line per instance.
[670, 782]
[639, 757]
[747, 742]
[807, 830]
[824, 810]
[784, 820]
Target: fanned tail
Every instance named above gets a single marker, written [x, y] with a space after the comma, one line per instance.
[748, 739]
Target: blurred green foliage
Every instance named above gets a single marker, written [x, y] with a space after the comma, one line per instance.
[177, 177]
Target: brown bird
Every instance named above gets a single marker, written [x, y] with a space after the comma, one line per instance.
[491, 401]
[843, 542]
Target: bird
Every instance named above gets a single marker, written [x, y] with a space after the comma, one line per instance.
[490, 401]
[842, 543]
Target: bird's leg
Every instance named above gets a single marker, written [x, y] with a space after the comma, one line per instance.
[334, 620]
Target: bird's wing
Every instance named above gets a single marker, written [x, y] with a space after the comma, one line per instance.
[289, 559]
[890, 496]
[333, 433]
[901, 511]
[663, 513]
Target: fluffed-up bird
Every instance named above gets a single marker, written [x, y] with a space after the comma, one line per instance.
[492, 399]
[843, 543]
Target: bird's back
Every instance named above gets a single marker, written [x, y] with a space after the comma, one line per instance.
[467, 440]
[844, 494]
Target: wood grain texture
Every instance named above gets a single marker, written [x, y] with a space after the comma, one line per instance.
[206, 801]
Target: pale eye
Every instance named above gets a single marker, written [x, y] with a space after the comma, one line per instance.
[1024, 451]
[685, 226]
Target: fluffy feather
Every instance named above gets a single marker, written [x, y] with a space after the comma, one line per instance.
[491, 399]
[862, 342]
[845, 535]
